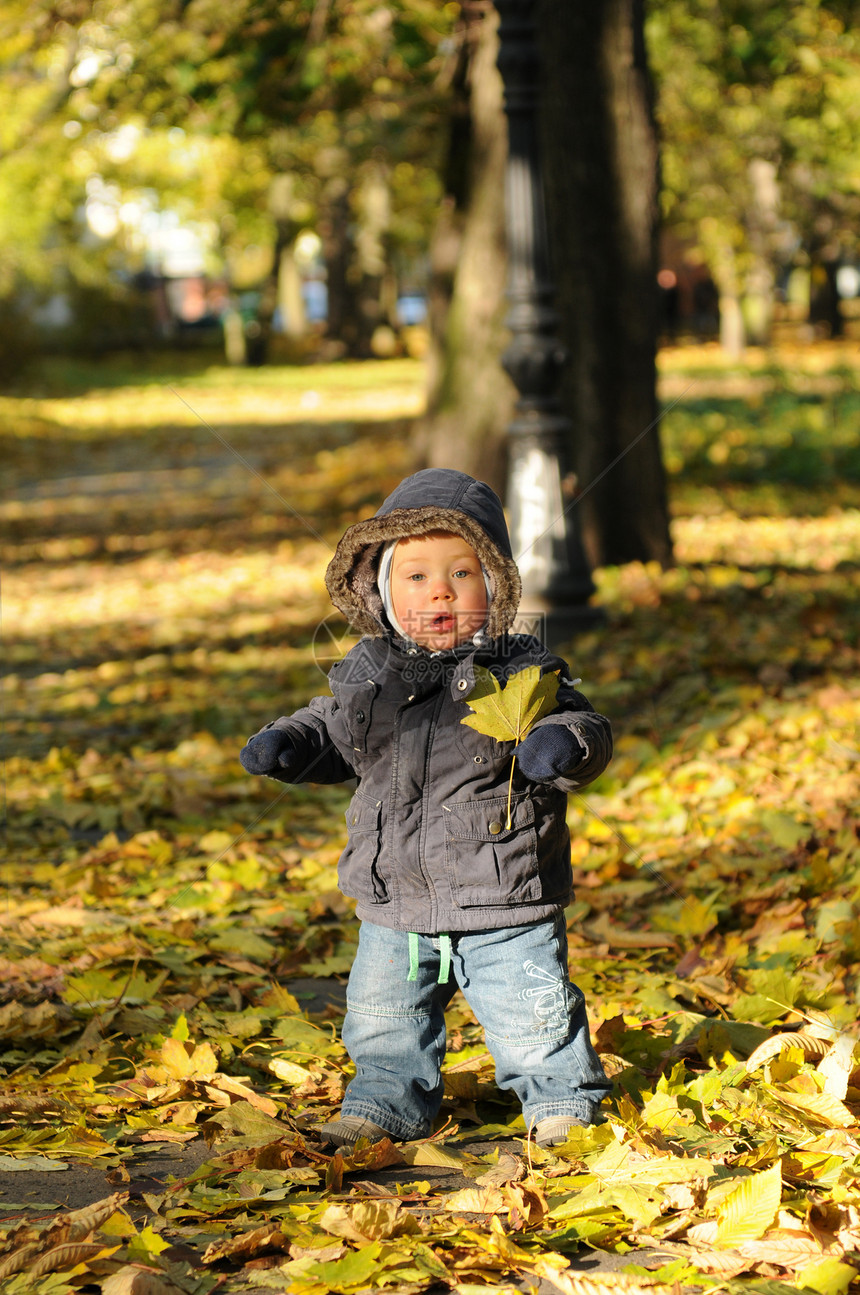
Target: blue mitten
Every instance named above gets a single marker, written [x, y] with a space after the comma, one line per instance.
[549, 752]
[268, 751]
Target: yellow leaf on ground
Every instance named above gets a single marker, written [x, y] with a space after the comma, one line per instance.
[134, 1279]
[474, 1200]
[703, 1234]
[821, 1106]
[369, 1221]
[720, 1263]
[216, 842]
[508, 1169]
[808, 1044]
[527, 1205]
[69, 1256]
[177, 1061]
[247, 1245]
[788, 1247]
[25, 1250]
[431, 1153]
[747, 1212]
[239, 1088]
[287, 1071]
[827, 1276]
[22, 1164]
[838, 1066]
[609, 1283]
[661, 1111]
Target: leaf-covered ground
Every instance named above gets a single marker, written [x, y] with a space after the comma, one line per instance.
[164, 541]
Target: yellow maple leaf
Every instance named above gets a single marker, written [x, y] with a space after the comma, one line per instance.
[201, 1063]
[508, 714]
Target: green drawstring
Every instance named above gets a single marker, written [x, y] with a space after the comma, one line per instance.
[413, 956]
[444, 958]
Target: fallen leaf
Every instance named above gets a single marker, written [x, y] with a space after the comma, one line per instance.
[508, 1169]
[24, 1164]
[747, 1212]
[827, 1276]
[838, 1066]
[135, 1279]
[787, 1247]
[823, 1108]
[247, 1245]
[432, 1153]
[369, 1221]
[474, 1200]
[184, 1061]
[808, 1044]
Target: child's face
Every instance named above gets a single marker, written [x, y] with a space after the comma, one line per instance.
[438, 590]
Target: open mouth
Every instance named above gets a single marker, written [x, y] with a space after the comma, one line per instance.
[443, 622]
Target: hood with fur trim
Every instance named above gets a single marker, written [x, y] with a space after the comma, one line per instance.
[436, 499]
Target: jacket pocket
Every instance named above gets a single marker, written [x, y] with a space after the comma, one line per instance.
[355, 701]
[359, 864]
[489, 863]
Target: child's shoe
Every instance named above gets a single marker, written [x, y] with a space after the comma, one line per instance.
[346, 1131]
[555, 1129]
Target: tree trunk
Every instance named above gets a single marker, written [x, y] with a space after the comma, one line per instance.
[371, 238]
[824, 297]
[258, 334]
[291, 303]
[336, 236]
[470, 399]
[762, 224]
[733, 333]
[725, 274]
[601, 178]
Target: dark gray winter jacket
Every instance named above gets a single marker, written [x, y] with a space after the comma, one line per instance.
[428, 847]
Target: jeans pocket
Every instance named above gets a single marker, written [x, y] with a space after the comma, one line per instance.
[359, 874]
[488, 862]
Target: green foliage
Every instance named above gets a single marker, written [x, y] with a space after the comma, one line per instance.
[741, 85]
[195, 110]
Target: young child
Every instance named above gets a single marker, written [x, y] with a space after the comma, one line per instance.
[448, 895]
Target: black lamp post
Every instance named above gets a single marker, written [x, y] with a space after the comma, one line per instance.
[557, 581]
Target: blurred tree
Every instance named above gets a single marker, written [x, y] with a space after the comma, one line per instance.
[35, 196]
[469, 397]
[600, 177]
[338, 99]
[759, 105]
[83, 188]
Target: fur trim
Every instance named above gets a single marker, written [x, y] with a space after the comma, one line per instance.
[351, 574]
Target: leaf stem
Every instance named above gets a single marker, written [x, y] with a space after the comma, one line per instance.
[510, 790]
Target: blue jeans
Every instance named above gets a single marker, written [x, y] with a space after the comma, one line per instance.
[516, 982]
